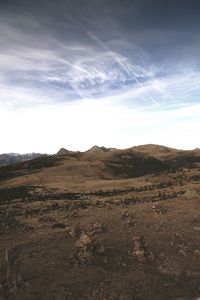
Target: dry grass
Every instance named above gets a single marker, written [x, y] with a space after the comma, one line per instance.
[61, 196]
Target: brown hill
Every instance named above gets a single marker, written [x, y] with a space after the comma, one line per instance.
[97, 164]
[157, 151]
[126, 222]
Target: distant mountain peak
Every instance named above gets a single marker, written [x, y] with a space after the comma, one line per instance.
[62, 151]
[97, 149]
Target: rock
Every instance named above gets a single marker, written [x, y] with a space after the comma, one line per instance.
[197, 228]
[130, 223]
[139, 253]
[197, 252]
[182, 252]
[86, 247]
[84, 240]
[158, 209]
[140, 250]
[125, 215]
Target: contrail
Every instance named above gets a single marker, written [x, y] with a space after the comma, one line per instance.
[123, 65]
[73, 85]
[138, 82]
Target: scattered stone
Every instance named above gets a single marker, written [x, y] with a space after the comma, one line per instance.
[182, 252]
[158, 209]
[197, 228]
[140, 250]
[197, 252]
[128, 219]
[84, 241]
[94, 228]
[130, 223]
[125, 215]
[100, 204]
[86, 247]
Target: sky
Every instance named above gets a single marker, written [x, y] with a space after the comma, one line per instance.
[113, 73]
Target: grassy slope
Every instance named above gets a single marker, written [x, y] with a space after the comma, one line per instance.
[46, 270]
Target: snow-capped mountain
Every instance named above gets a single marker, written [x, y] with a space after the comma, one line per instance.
[13, 158]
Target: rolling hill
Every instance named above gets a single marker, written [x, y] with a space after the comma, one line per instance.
[101, 224]
[68, 168]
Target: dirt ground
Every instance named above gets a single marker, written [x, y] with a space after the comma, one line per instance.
[79, 226]
[41, 255]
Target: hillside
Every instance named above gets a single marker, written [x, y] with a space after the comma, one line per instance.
[101, 224]
[97, 164]
[157, 151]
[13, 158]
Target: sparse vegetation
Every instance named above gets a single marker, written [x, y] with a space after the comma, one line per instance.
[81, 237]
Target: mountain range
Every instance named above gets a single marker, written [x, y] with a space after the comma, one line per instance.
[97, 164]
[13, 158]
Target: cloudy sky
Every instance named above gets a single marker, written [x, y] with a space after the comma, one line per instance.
[118, 73]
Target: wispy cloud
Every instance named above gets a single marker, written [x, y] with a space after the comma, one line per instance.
[69, 83]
